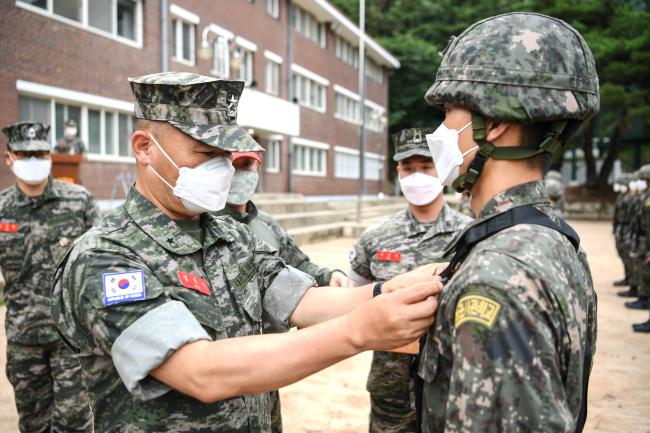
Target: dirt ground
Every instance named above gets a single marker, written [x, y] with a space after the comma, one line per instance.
[335, 400]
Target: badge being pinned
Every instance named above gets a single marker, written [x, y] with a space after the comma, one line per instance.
[8, 227]
[123, 287]
[477, 309]
[194, 282]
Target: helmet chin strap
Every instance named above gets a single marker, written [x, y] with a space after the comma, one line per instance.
[551, 144]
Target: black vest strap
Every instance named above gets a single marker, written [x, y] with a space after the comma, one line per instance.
[527, 214]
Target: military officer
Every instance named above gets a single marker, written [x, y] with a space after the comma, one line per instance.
[240, 207]
[164, 302]
[511, 348]
[412, 237]
[39, 219]
[70, 142]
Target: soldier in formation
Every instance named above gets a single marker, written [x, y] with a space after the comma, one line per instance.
[410, 238]
[620, 224]
[241, 208]
[638, 239]
[40, 217]
[519, 295]
[164, 302]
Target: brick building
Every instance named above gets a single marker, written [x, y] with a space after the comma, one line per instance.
[63, 59]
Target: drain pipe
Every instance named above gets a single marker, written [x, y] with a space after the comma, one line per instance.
[290, 95]
[164, 35]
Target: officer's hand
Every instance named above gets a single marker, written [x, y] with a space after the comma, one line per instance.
[417, 275]
[339, 279]
[395, 319]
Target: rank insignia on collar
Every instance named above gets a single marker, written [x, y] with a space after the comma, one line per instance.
[388, 256]
[194, 282]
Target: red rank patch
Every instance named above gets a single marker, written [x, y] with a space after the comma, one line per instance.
[8, 228]
[388, 256]
[194, 282]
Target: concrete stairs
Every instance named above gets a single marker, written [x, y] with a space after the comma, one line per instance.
[308, 220]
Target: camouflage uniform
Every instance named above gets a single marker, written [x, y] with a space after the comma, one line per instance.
[508, 348]
[620, 222]
[639, 241]
[265, 228]
[35, 233]
[386, 249]
[138, 287]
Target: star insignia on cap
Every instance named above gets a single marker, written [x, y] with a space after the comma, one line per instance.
[31, 133]
[417, 137]
[232, 106]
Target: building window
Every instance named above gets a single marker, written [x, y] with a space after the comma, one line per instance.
[375, 119]
[309, 26]
[272, 77]
[347, 108]
[309, 93]
[118, 19]
[105, 131]
[183, 41]
[273, 8]
[272, 154]
[374, 167]
[309, 158]
[346, 52]
[221, 58]
[374, 71]
[346, 164]
[242, 62]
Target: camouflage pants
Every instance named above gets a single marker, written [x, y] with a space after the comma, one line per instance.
[624, 254]
[644, 272]
[276, 413]
[48, 390]
[392, 397]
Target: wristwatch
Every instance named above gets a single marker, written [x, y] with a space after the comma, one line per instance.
[376, 290]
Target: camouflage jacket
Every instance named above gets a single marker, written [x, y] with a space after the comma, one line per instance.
[619, 212]
[267, 229]
[70, 146]
[137, 287]
[402, 243]
[637, 237]
[35, 233]
[507, 350]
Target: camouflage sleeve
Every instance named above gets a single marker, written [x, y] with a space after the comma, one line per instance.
[283, 286]
[110, 303]
[505, 371]
[92, 212]
[359, 257]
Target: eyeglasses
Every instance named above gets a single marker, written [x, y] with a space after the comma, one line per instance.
[24, 154]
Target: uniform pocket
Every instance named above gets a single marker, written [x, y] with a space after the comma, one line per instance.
[13, 250]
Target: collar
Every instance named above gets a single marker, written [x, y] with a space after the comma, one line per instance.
[164, 230]
[244, 218]
[519, 195]
[50, 192]
[444, 223]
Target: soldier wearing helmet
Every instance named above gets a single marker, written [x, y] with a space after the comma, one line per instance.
[511, 346]
[643, 252]
[555, 190]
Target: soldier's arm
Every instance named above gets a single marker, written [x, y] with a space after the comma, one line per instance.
[506, 372]
[91, 214]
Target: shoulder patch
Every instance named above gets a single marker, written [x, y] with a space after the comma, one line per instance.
[123, 287]
[478, 309]
[352, 254]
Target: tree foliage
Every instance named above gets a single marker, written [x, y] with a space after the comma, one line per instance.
[618, 32]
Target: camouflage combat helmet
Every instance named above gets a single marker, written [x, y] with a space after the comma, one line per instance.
[623, 179]
[554, 188]
[644, 172]
[518, 67]
[411, 142]
[27, 136]
[205, 108]
[555, 175]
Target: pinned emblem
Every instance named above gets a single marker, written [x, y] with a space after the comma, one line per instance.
[123, 287]
[194, 282]
[64, 242]
[417, 136]
[8, 227]
[31, 133]
[232, 106]
[477, 309]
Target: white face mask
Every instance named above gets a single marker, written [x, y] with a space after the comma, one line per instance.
[443, 145]
[641, 185]
[203, 188]
[420, 189]
[32, 170]
[70, 132]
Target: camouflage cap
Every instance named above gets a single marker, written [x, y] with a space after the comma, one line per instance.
[410, 142]
[204, 108]
[27, 136]
[644, 172]
[521, 67]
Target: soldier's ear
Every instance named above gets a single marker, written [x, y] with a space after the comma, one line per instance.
[141, 144]
[497, 130]
[7, 158]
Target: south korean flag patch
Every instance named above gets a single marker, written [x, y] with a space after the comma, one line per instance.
[123, 287]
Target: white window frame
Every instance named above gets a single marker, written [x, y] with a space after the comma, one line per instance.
[303, 17]
[313, 78]
[86, 101]
[273, 8]
[321, 147]
[346, 51]
[84, 24]
[180, 16]
[222, 43]
[273, 148]
[349, 152]
[274, 60]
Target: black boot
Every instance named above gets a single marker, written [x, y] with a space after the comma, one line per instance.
[622, 282]
[639, 304]
[632, 293]
[641, 327]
